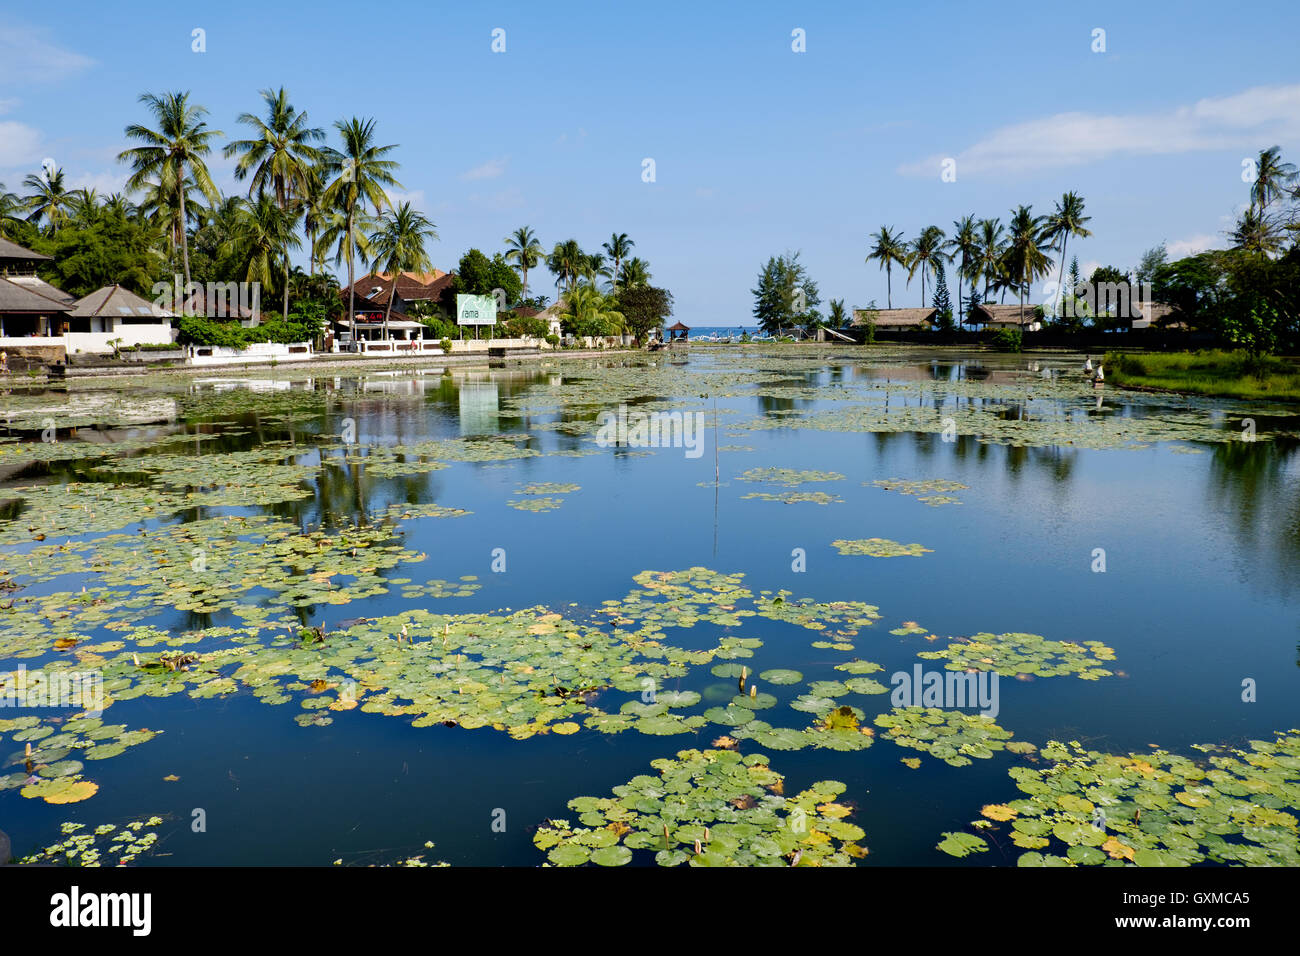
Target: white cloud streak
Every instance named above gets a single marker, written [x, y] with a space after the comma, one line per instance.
[1248, 120]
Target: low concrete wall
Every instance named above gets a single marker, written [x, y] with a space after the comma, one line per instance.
[259, 353]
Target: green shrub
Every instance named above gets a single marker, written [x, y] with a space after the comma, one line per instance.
[1007, 340]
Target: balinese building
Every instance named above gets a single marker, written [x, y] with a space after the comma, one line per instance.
[29, 306]
[117, 313]
[1006, 317]
[411, 288]
[897, 320]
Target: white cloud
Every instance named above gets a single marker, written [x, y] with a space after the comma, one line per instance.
[20, 145]
[1261, 115]
[415, 197]
[27, 57]
[489, 170]
[1181, 248]
[105, 183]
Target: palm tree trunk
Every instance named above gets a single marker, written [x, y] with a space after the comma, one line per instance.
[1060, 276]
[285, 313]
[352, 292]
[392, 294]
[889, 290]
[185, 240]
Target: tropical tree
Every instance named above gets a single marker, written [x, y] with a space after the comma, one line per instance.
[988, 259]
[566, 262]
[279, 158]
[50, 200]
[965, 246]
[634, 274]
[11, 207]
[923, 254]
[889, 248]
[1257, 232]
[1271, 179]
[261, 234]
[618, 248]
[361, 172]
[1067, 220]
[1026, 258]
[524, 251]
[398, 246]
[594, 268]
[172, 154]
[589, 312]
[838, 316]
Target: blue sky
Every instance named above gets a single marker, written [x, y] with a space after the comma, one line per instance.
[757, 149]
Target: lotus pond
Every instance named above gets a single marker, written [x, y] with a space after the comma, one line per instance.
[412, 617]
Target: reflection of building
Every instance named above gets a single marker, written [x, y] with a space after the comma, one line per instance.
[480, 408]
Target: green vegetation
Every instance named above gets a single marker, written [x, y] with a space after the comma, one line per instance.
[1214, 372]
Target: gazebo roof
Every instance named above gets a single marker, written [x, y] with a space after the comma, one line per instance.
[678, 327]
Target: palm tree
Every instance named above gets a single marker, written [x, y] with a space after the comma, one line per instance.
[925, 252]
[1066, 221]
[10, 208]
[398, 246]
[173, 153]
[1256, 232]
[965, 245]
[590, 312]
[594, 268]
[314, 218]
[618, 248]
[989, 257]
[50, 200]
[1271, 178]
[260, 235]
[1025, 257]
[566, 262]
[525, 251]
[889, 248]
[635, 273]
[362, 173]
[279, 157]
[159, 206]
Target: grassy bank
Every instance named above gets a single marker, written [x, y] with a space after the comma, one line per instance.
[1215, 373]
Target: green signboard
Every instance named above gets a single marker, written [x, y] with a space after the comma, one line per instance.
[476, 310]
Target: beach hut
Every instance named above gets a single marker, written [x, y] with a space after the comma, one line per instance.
[678, 333]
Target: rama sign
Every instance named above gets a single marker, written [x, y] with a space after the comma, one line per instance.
[476, 310]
